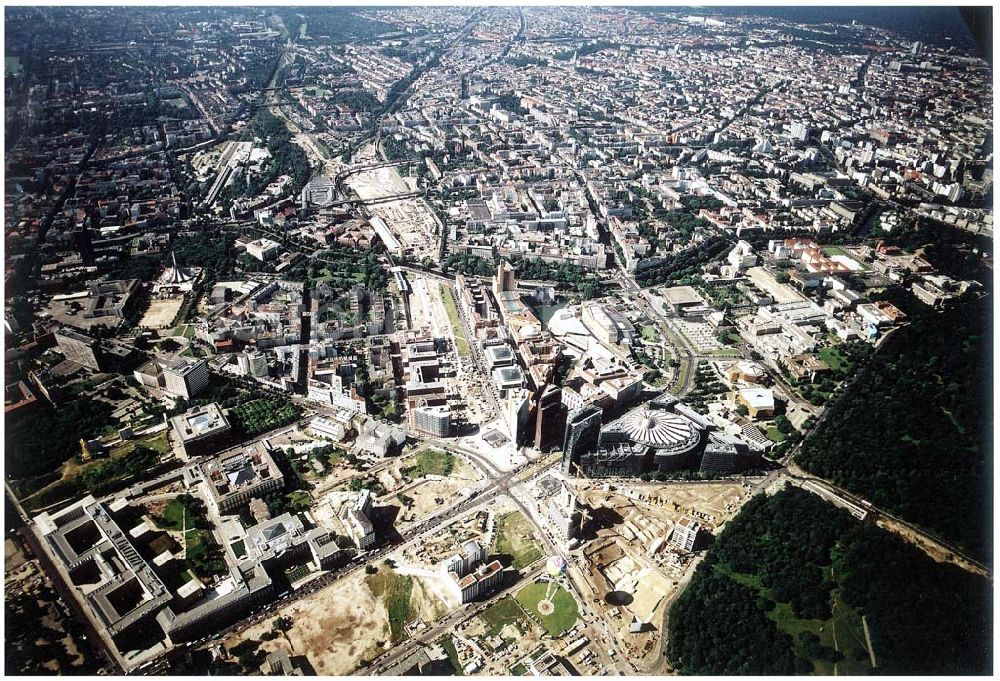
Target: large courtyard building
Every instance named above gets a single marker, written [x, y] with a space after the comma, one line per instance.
[235, 477]
[119, 587]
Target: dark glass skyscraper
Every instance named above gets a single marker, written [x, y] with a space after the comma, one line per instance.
[583, 429]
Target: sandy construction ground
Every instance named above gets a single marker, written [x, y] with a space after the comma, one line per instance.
[410, 220]
[161, 313]
[334, 628]
[710, 503]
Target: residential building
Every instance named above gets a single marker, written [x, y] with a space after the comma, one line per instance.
[685, 534]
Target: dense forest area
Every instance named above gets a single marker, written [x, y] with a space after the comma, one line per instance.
[913, 432]
[44, 442]
[925, 617]
[791, 583]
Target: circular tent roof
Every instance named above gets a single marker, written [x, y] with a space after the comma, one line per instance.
[660, 429]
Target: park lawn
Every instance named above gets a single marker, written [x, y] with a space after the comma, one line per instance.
[566, 610]
[448, 644]
[649, 333]
[500, 614]
[198, 542]
[775, 435]
[515, 538]
[461, 344]
[751, 581]
[158, 443]
[831, 355]
[299, 499]
[431, 462]
[174, 516]
[203, 555]
[394, 590]
[518, 670]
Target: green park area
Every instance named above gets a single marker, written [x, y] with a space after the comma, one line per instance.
[186, 514]
[461, 344]
[104, 475]
[394, 590]
[516, 539]
[500, 614]
[832, 355]
[430, 462]
[565, 610]
[775, 435]
[794, 585]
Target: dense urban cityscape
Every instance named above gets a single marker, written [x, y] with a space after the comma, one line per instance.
[498, 341]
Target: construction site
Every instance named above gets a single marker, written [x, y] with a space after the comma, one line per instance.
[635, 560]
[409, 220]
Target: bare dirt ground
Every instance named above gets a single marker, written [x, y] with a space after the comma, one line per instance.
[710, 503]
[428, 496]
[161, 313]
[334, 628]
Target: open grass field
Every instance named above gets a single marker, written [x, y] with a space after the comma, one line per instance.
[174, 516]
[500, 614]
[566, 609]
[832, 356]
[158, 443]
[394, 590]
[515, 539]
[431, 462]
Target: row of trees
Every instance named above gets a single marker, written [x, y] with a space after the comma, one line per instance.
[259, 416]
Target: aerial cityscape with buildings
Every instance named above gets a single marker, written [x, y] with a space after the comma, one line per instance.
[498, 341]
